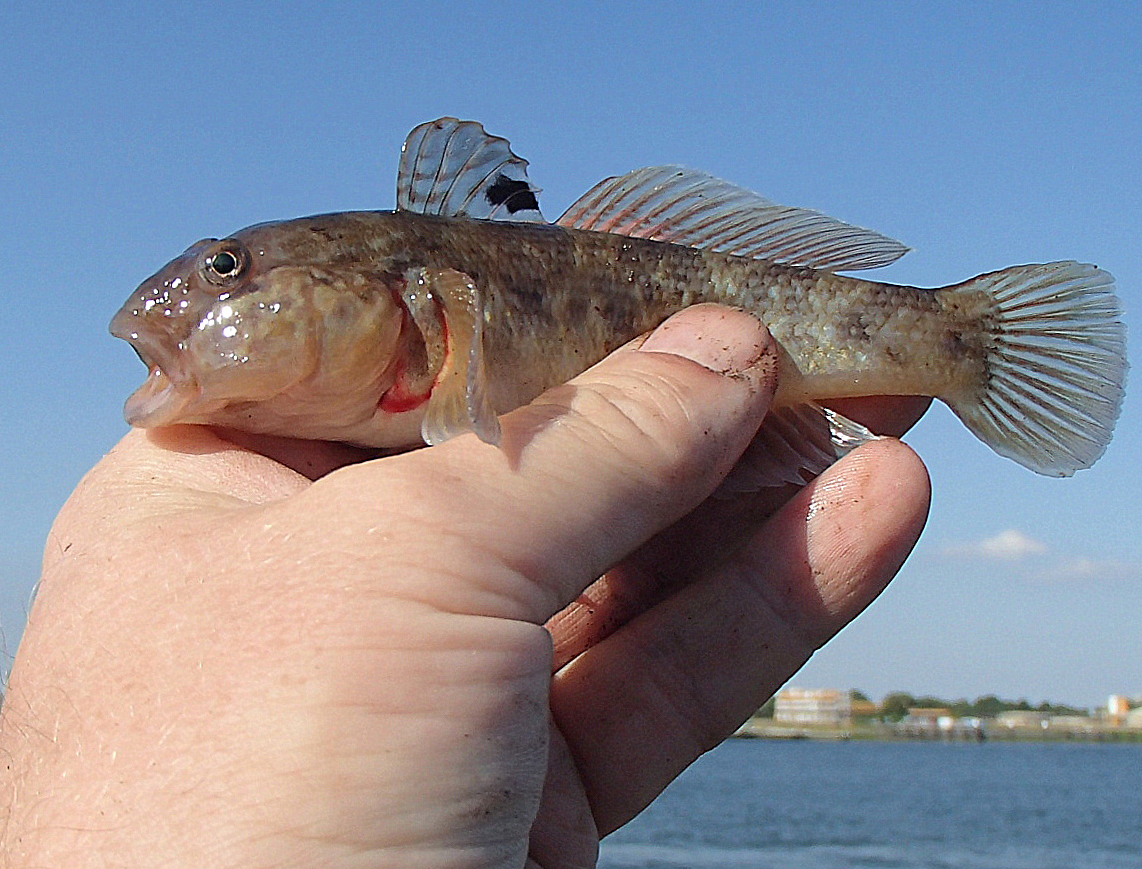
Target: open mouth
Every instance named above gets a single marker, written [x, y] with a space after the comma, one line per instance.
[162, 399]
[159, 401]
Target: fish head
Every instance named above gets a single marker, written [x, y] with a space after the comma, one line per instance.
[242, 332]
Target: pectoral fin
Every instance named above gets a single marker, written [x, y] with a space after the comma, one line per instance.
[447, 308]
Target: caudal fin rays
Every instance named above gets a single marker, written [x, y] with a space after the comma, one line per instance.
[1056, 366]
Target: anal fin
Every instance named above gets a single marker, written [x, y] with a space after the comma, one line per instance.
[447, 308]
[794, 445]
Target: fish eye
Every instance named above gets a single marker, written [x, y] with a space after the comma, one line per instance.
[225, 264]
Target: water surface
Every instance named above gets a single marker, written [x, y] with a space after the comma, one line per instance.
[894, 805]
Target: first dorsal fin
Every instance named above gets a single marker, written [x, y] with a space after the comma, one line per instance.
[683, 206]
[453, 168]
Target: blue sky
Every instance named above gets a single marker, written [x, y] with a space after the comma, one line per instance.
[982, 135]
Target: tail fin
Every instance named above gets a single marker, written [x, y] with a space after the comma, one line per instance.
[1056, 367]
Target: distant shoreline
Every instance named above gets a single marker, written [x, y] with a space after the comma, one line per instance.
[763, 728]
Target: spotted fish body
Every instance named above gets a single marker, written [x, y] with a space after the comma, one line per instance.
[395, 328]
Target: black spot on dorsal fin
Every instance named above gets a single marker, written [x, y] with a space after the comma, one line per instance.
[454, 168]
[513, 194]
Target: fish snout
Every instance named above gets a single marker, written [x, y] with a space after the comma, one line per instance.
[154, 332]
[156, 340]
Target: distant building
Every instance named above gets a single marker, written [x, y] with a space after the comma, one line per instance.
[1017, 719]
[821, 706]
[1117, 707]
[863, 709]
[1073, 724]
[924, 720]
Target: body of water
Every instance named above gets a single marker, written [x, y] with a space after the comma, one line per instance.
[894, 805]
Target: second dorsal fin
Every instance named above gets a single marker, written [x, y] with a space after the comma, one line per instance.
[452, 168]
[684, 206]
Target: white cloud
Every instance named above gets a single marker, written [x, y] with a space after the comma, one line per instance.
[1009, 545]
[1034, 559]
[1092, 568]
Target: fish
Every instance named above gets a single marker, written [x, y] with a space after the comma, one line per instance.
[395, 329]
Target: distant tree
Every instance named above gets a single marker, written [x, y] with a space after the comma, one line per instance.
[896, 705]
[854, 694]
[961, 708]
[929, 702]
[987, 706]
[1061, 709]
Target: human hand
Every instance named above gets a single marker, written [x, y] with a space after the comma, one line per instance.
[230, 665]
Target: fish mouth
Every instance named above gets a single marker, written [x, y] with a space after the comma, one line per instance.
[168, 392]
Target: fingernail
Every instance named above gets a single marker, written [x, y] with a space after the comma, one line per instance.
[725, 340]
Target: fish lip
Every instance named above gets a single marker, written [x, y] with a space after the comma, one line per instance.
[169, 390]
[159, 401]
